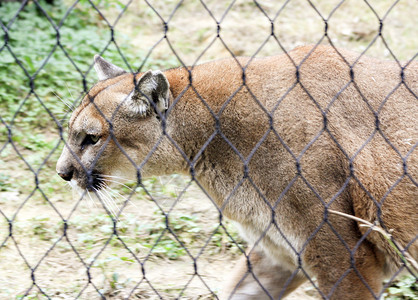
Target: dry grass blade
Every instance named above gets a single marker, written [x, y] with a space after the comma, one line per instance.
[404, 255]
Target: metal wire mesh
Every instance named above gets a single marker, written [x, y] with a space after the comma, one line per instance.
[143, 286]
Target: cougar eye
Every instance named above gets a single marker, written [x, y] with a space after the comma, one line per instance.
[90, 139]
[94, 138]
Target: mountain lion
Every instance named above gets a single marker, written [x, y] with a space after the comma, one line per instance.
[276, 142]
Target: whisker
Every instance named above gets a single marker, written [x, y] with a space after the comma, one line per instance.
[107, 202]
[68, 186]
[101, 198]
[112, 199]
[123, 197]
[109, 180]
[91, 199]
[76, 195]
[112, 194]
[111, 176]
[106, 190]
[105, 199]
[63, 101]
[171, 179]
[71, 95]
[112, 191]
[87, 202]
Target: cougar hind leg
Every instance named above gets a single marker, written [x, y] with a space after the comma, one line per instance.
[363, 281]
[351, 269]
[274, 278]
[340, 275]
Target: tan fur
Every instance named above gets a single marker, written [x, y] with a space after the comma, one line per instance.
[298, 194]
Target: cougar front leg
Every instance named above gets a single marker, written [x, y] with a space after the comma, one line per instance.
[274, 278]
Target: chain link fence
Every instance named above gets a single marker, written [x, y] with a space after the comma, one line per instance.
[169, 237]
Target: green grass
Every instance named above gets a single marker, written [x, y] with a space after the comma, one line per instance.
[405, 288]
[25, 62]
[88, 232]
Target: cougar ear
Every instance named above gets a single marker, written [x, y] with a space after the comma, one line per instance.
[152, 86]
[105, 69]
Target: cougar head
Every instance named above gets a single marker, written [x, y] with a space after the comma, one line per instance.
[114, 129]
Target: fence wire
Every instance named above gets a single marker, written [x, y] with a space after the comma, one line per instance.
[252, 272]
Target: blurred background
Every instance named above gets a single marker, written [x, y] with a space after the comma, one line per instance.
[46, 56]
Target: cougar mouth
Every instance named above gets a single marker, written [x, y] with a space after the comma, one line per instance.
[94, 182]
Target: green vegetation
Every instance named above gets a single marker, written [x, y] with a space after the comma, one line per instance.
[55, 62]
[405, 288]
[87, 233]
[189, 233]
[80, 35]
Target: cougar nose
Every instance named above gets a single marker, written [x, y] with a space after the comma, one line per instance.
[67, 175]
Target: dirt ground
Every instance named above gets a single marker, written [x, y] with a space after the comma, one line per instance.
[38, 242]
[59, 263]
[245, 28]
